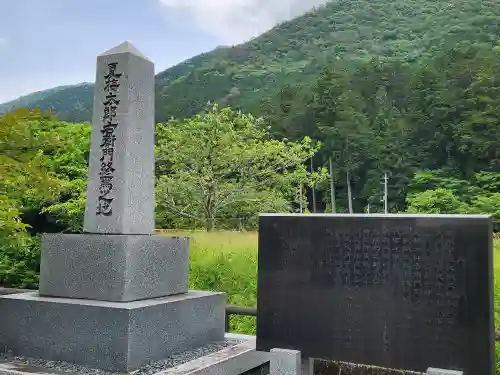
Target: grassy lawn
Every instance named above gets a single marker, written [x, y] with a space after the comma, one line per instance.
[226, 262]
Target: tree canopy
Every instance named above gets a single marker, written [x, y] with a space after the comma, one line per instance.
[223, 165]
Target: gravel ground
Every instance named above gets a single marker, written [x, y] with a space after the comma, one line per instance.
[31, 364]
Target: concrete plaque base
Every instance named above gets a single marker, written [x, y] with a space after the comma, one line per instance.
[107, 267]
[109, 335]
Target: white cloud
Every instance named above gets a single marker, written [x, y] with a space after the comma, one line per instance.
[235, 21]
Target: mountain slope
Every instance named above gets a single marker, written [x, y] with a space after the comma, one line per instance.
[294, 52]
[70, 103]
[31, 99]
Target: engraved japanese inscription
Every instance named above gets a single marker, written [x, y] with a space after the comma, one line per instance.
[397, 291]
[107, 146]
[120, 188]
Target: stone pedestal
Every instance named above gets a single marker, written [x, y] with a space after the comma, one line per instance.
[113, 267]
[113, 336]
[111, 302]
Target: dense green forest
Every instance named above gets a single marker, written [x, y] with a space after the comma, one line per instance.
[73, 103]
[353, 90]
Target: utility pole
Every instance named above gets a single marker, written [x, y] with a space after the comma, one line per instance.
[332, 187]
[349, 192]
[384, 199]
[300, 199]
[313, 189]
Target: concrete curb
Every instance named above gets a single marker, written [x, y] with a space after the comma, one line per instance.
[5, 291]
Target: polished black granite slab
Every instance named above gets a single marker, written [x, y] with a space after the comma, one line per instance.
[398, 291]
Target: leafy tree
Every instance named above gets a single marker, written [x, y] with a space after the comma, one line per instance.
[488, 182]
[443, 179]
[70, 164]
[22, 139]
[336, 122]
[437, 201]
[224, 162]
[488, 204]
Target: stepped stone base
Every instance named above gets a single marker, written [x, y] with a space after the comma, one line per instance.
[107, 267]
[241, 358]
[109, 335]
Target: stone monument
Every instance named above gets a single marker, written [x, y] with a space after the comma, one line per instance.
[408, 292]
[115, 297]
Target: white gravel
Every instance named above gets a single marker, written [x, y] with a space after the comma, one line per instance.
[57, 367]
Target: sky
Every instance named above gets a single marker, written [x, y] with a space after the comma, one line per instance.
[48, 43]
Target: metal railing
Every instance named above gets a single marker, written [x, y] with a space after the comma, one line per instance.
[238, 310]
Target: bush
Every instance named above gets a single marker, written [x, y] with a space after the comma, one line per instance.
[437, 201]
[20, 266]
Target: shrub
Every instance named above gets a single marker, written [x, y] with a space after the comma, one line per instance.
[20, 266]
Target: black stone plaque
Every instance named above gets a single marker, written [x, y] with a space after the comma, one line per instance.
[398, 291]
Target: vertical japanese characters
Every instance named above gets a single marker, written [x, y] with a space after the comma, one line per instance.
[107, 146]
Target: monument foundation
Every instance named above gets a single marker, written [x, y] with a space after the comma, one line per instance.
[132, 267]
[116, 297]
[113, 336]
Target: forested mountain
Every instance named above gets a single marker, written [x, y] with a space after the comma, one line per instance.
[33, 98]
[247, 76]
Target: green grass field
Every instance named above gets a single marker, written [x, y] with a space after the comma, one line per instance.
[226, 262]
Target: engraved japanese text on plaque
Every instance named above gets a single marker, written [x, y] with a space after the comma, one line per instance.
[398, 291]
